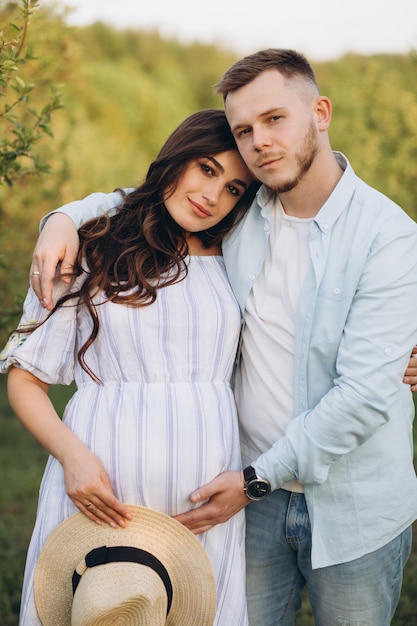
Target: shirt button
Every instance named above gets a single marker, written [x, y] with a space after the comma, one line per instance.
[387, 351]
[251, 277]
[287, 223]
[325, 227]
[336, 291]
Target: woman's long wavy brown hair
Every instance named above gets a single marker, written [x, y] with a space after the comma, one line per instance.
[140, 249]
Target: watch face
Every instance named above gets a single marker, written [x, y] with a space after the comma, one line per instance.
[258, 489]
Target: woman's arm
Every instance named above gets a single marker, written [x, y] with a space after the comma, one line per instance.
[85, 477]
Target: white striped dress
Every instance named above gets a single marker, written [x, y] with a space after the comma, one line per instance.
[164, 420]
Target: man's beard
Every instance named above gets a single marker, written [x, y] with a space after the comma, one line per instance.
[304, 158]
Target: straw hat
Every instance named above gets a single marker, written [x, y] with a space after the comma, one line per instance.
[154, 572]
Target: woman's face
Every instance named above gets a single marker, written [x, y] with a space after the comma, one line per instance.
[208, 190]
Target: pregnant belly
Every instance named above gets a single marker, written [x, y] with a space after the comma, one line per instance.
[159, 442]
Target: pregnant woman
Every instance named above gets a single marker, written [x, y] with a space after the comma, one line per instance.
[148, 329]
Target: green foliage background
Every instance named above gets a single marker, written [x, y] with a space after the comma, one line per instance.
[123, 93]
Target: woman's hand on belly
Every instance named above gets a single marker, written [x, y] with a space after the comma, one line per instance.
[89, 487]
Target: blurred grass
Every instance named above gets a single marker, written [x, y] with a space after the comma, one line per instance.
[22, 464]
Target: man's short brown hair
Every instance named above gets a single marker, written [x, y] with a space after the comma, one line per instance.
[289, 63]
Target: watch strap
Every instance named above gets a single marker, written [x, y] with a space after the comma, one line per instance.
[249, 474]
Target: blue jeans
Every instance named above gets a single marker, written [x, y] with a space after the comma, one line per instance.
[363, 592]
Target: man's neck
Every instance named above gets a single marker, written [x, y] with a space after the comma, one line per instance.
[307, 198]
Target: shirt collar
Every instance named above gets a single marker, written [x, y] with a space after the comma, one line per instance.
[340, 196]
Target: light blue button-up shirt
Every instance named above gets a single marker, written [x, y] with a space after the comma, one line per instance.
[350, 441]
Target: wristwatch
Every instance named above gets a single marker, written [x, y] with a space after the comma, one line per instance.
[256, 488]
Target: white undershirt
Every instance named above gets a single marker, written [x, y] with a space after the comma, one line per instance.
[264, 383]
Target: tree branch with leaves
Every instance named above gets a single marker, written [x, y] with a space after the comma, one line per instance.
[21, 124]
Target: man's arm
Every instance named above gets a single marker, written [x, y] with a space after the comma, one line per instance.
[380, 327]
[410, 375]
[225, 497]
[58, 243]
[383, 313]
[55, 251]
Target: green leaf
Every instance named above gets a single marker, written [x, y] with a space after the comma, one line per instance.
[20, 82]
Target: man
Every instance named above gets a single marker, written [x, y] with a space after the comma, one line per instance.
[325, 270]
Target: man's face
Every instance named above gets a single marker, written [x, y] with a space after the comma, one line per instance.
[274, 124]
